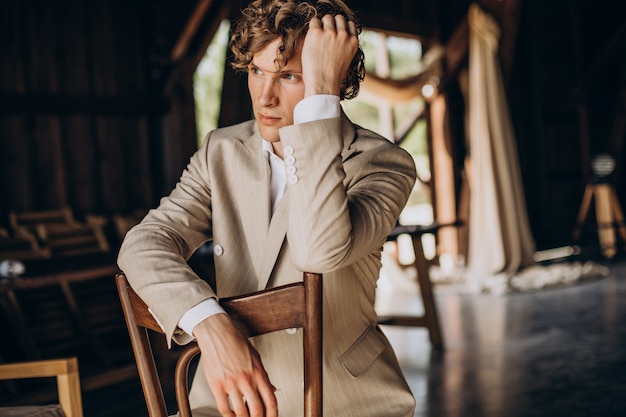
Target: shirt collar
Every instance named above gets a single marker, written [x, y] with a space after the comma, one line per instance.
[267, 148]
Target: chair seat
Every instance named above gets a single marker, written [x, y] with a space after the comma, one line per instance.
[32, 411]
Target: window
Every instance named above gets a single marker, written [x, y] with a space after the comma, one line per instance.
[207, 82]
[392, 57]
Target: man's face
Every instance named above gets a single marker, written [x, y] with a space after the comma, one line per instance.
[274, 92]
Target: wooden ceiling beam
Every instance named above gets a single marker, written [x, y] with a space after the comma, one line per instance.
[456, 51]
[398, 26]
[190, 30]
[208, 31]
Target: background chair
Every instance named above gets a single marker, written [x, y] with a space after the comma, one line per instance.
[430, 318]
[68, 386]
[289, 306]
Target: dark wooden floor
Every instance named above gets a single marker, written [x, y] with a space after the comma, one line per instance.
[554, 352]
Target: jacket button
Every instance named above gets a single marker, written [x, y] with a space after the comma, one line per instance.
[291, 330]
[218, 250]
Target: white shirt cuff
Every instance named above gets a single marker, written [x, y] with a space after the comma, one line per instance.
[317, 107]
[199, 312]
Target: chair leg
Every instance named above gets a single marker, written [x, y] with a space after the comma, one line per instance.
[430, 309]
[604, 217]
[68, 384]
[430, 318]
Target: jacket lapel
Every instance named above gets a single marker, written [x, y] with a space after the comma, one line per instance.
[254, 192]
[269, 243]
[275, 238]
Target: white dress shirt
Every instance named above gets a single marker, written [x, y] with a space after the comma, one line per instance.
[318, 107]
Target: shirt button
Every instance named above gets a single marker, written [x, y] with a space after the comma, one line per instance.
[293, 179]
[288, 150]
[218, 250]
[290, 169]
[290, 160]
[291, 331]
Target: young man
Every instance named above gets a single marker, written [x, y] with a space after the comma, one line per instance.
[299, 188]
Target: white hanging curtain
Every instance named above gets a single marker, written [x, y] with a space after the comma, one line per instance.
[500, 241]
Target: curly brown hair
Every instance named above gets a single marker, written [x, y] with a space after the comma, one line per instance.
[265, 20]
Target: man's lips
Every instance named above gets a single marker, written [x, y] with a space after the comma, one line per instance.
[267, 120]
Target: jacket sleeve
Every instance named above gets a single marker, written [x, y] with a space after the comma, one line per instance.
[153, 254]
[346, 193]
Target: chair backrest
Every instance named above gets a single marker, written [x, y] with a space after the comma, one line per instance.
[289, 306]
[66, 372]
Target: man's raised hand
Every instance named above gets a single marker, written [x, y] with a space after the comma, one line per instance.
[327, 51]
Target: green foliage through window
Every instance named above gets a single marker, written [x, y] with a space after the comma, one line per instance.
[207, 82]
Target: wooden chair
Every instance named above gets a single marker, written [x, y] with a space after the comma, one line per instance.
[430, 318]
[21, 244]
[68, 381]
[60, 233]
[285, 307]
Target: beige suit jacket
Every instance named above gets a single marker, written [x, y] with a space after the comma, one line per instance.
[350, 187]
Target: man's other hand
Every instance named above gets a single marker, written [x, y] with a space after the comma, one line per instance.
[234, 370]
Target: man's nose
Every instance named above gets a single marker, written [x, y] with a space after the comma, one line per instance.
[268, 96]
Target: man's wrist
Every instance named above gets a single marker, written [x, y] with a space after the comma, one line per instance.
[317, 107]
[198, 313]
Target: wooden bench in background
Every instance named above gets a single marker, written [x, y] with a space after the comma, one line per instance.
[62, 314]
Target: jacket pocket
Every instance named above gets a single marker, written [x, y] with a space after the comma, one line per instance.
[364, 351]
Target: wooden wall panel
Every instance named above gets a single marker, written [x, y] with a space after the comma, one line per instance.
[75, 50]
[15, 166]
[78, 121]
[107, 128]
[138, 176]
[12, 45]
[80, 158]
[179, 127]
[49, 184]
[40, 24]
[134, 139]
[43, 72]
[77, 128]
[558, 46]
[111, 175]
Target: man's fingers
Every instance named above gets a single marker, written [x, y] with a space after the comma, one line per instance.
[269, 400]
[352, 28]
[315, 23]
[340, 23]
[251, 403]
[232, 367]
[245, 401]
[328, 22]
[223, 406]
[240, 406]
[336, 23]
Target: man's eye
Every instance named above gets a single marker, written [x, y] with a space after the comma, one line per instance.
[256, 71]
[290, 77]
